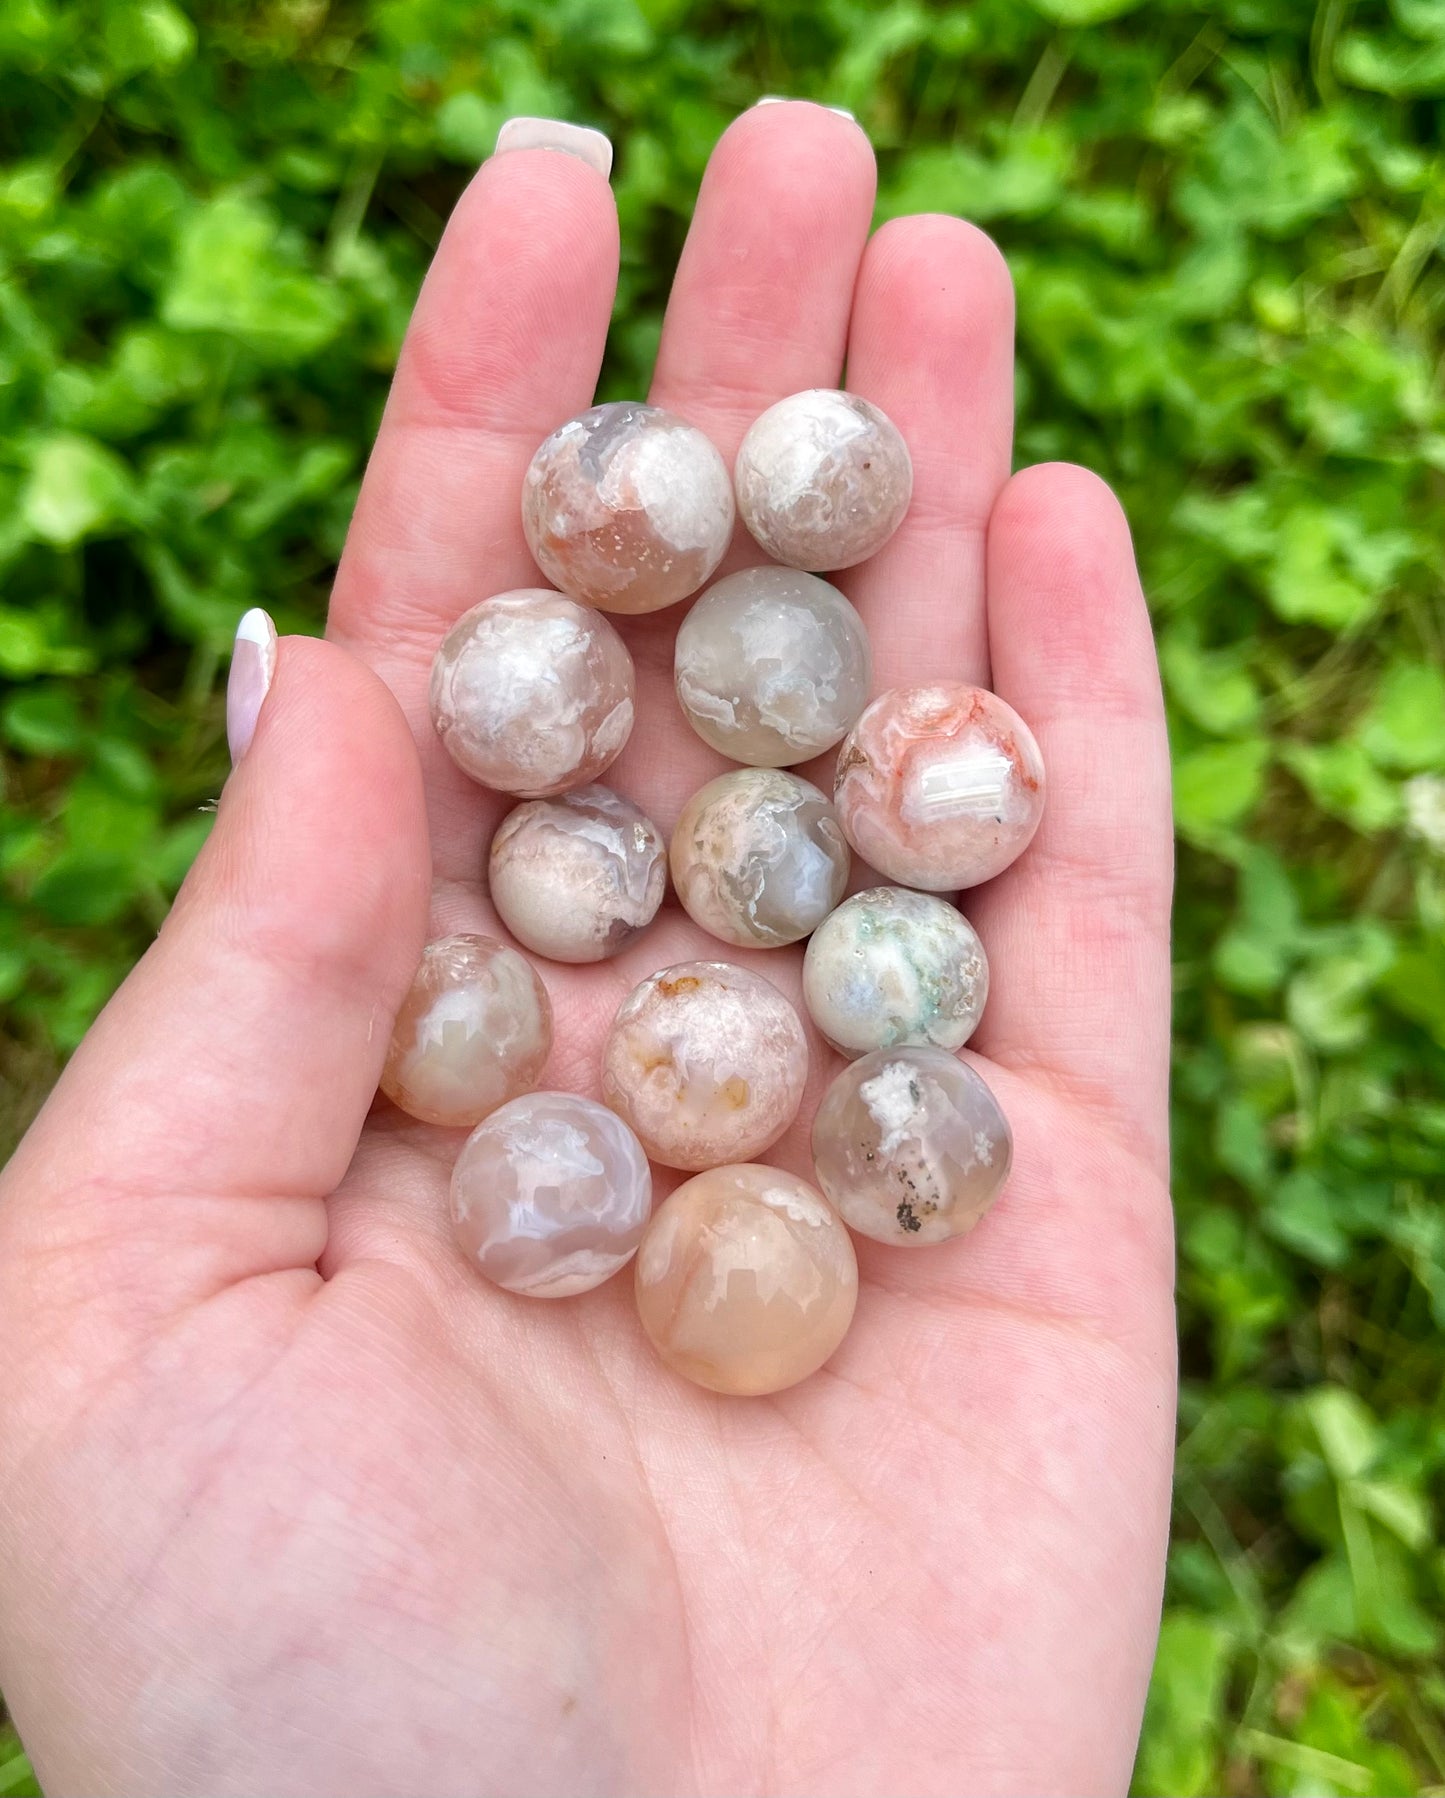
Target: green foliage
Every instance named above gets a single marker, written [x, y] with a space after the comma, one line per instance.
[1225, 223]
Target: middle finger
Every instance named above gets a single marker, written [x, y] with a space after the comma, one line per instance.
[759, 309]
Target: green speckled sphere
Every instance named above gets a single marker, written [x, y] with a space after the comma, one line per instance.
[892, 967]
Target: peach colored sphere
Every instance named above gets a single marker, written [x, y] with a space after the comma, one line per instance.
[823, 479]
[532, 694]
[627, 507]
[746, 1280]
[911, 1146]
[474, 1031]
[940, 787]
[707, 1062]
[758, 857]
[579, 877]
[550, 1195]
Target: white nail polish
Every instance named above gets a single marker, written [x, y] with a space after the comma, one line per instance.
[253, 666]
[592, 147]
[783, 100]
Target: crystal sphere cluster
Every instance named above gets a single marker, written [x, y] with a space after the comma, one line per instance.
[745, 1277]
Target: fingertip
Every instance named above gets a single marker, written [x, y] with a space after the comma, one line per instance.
[931, 342]
[560, 136]
[926, 254]
[788, 130]
[1063, 490]
[760, 305]
[527, 267]
[1065, 590]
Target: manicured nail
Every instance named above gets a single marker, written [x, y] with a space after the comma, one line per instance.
[253, 665]
[782, 100]
[593, 147]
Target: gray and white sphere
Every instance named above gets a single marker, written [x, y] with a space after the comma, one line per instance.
[772, 666]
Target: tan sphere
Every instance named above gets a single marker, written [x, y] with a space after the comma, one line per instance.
[474, 1031]
[746, 1280]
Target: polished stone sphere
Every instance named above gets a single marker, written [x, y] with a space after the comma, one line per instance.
[772, 666]
[627, 507]
[911, 1146]
[758, 857]
[474, 1031]
[579, 877]
[707, 1062]
[940, 787]
[746, 1280]
[891, 966]
[550, 1195]
[823, 479]
[532, 694]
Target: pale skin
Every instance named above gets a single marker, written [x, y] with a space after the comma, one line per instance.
[290, 1502]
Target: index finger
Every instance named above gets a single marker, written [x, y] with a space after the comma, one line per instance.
[506, 342]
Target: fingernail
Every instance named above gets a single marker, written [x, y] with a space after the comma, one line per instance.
[253, 665]
[782, 100]
[593, 147]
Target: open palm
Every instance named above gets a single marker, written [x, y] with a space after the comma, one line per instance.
[290, 1501]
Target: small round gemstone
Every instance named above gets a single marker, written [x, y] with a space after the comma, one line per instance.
[892, 967]
[746, 1280]
[758, 857]
[911, 1146]
[823, 479]
[940, 787]
[550, 1195]
[627, 507]
[707, 1063]
[772, 666]
[531, 693]
[474, 1031]
[578, 877]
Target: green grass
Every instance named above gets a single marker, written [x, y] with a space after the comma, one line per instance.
[1225, 222]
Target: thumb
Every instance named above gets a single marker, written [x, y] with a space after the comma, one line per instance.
[231, 1074]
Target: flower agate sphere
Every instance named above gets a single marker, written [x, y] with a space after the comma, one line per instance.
[579, 877]
[746, 1280]
[823, 479]
[758, 857]
[940, 787]
[707, 1063]
[550, 1195]
[532, 693]
[911, 1146]
[772, 666]
[891, 966]
[474, 1031]
[627, 507]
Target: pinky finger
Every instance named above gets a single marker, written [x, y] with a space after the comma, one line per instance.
[1078, 929]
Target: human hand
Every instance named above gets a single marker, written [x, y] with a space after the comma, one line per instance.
[290, 1502]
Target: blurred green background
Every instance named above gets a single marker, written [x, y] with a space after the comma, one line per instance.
[1225, 222]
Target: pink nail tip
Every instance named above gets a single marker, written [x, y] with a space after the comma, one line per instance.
[253, 667]
[592, 147]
